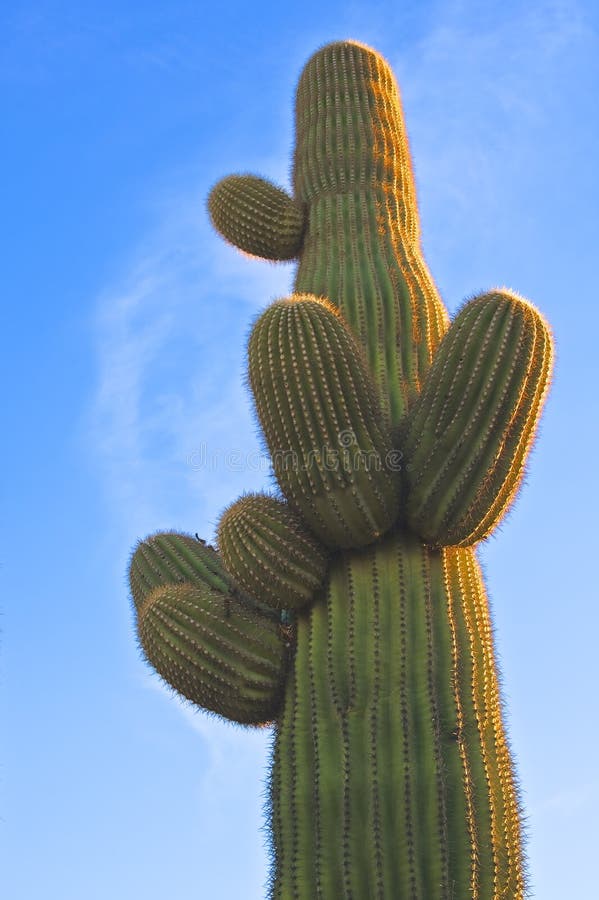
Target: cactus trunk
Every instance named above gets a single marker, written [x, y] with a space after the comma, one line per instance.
[391, 775]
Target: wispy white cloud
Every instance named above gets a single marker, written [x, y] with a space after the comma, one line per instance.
[480, 89]
[227, 748]
[570, 801]
[170, 336]
[170, 342]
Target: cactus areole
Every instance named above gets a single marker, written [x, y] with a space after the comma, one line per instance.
[349, 611]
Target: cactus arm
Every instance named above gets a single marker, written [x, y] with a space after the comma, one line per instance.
[208, 641]
[270, 553]
[320, 414]
[466, 438]
[257, 217]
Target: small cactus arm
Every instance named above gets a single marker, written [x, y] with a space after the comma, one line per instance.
[351, 612]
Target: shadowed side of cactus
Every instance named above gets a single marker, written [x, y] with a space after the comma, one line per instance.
[257, 217]
[208, 641]
[391, 775]
[270, 553]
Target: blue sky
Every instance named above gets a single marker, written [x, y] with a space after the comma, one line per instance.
[127, 319]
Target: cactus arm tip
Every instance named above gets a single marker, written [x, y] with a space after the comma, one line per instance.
[257, 217]
[467, 437]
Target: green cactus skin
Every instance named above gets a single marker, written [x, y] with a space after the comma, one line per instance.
[462, 471]
[266, 548]
[208, 641]
[320, 415]
[391, 774]
[257, 217]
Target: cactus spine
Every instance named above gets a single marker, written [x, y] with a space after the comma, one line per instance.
[391, 774]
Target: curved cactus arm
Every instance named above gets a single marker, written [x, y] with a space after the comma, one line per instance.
[329, 443]
[257, 217]
[207, 640]
[466, 439]
[270, 553]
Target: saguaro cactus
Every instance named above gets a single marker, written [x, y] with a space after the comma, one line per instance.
[350, 611]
